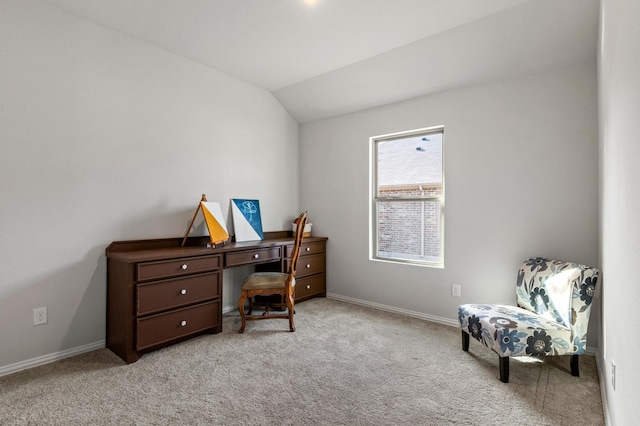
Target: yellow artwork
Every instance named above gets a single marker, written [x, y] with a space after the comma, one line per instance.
[213, 219]
[215, 222]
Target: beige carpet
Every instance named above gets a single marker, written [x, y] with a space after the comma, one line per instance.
[345, 365]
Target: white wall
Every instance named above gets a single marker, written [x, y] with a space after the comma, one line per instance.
[106, 138]
[619, 90]
[521, 179]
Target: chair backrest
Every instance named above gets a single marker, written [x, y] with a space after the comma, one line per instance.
[557, 290]
[300, 224]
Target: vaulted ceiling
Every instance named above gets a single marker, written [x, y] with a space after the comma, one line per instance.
[322, 58]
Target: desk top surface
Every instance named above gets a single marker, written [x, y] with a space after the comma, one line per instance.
[147, 250]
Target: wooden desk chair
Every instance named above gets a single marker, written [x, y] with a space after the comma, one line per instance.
[270, 283]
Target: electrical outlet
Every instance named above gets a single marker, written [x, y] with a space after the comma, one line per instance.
[613, 374]
[456, 290]
[40, 316]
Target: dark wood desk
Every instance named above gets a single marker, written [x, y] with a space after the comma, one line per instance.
[159, 293]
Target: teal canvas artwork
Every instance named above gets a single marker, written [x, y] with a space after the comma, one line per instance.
[247, 221]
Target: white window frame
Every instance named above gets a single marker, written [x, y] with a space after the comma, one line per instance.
[376, 199]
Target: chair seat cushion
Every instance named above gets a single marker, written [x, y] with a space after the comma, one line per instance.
[266, 280]
[513, 331]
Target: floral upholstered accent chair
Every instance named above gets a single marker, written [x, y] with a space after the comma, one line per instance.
[554, 303]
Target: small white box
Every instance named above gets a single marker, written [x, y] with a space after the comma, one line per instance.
[307, 229]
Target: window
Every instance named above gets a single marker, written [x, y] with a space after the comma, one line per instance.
[407, 201]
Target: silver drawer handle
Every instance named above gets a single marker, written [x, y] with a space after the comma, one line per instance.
[184, 266]
[308, 248]
[308, 286]
[255, 256]
[183, 323]
[183, 291]
[308, 265]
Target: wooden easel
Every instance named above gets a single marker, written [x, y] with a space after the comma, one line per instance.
[218, 233]
[184, 240]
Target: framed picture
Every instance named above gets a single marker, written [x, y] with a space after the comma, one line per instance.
[247, 222]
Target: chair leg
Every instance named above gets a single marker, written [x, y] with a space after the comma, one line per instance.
[575, 368]
[290, 308]
[504, 369]
[465, 341]
[243, 298]
[267, 308]
[251, 299]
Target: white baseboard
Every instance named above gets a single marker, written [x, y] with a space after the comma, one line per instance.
[45, 359]
[414, 314]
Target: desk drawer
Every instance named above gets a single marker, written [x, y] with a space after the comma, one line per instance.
[177, 267]
[253, 256]
[162, 328]
[306, 248]
[309, 265]
[162, 295]
[310, 286]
